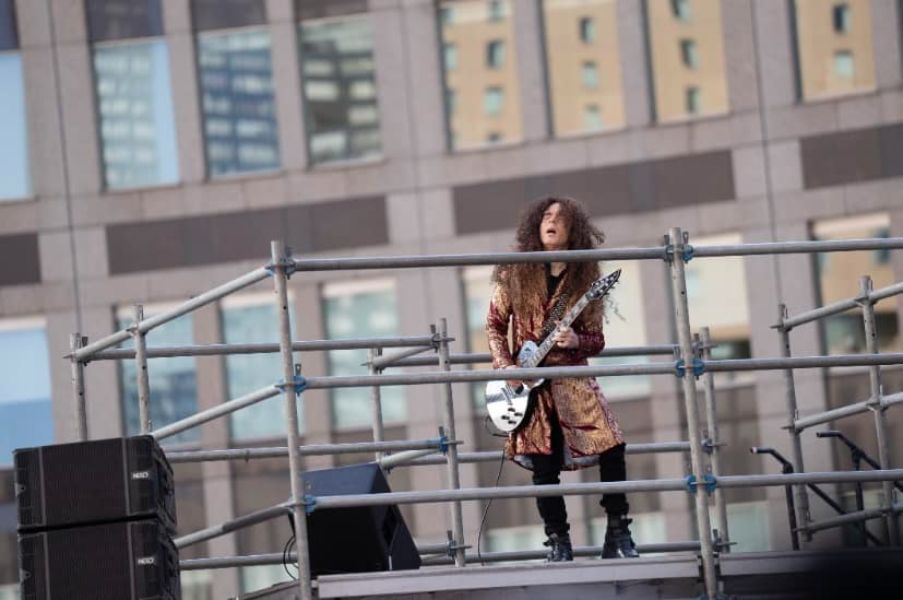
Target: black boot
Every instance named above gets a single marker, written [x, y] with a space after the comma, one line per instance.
[560, 549]
[618, 543]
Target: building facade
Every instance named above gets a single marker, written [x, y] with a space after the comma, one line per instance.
[151, 150]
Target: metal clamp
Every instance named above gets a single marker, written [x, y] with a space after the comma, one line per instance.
[309, 503]
[298, 382]
[680, 368]
[709, 483]
[286, 262]
[688, 253]
[443, 444]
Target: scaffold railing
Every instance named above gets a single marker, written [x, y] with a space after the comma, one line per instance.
[691, 360]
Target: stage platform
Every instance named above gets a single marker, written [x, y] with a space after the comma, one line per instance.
[747, 575]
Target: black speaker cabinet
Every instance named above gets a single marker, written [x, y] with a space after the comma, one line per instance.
[128, 560]
[354, 540]
[66, 485]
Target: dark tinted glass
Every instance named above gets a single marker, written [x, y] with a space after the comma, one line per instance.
[316, 9]
[9, 37]
[223, 14]
[123, 19]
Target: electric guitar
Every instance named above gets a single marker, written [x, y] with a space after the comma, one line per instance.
[507, 406]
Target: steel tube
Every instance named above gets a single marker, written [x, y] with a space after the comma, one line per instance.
[217, 411]
[389, 462]
[454, 475]
[258, 516]
[198, 301]
[580, 551]
[376, 402]
[484, 357]
[586, 461]
[77, 370]
[685, 339]
[843, 305]
[309, 450]
[806, 247]
[144, 416]
[258, 348]
[891, 528]
[845, 411]
[796, 445]
[280, 280]
[715, 455]
[804, 362]
[382, 362]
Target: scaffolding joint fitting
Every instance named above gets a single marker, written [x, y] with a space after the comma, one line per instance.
[709, 483]
[309, 503]
[298, 382]
[443, 444]
[286, 262]
[688, 253]
[680, 368]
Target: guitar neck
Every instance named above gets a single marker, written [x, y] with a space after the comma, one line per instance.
[549, 342]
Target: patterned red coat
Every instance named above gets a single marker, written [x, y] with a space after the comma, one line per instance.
[587, 423]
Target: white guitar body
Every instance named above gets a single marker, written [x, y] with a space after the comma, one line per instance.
[507, 406]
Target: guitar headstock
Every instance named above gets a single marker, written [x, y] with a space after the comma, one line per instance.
[602, 286]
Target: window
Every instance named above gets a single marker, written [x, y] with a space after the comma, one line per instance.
[478, 53]
[478, 286]
[692, 100]
[450, 56]
[493, 100]
[841, 14]
[26, 411]
[589, 75]
[592, 118]
[844, 66]
[587, 30]
[360, 309]
[446, 15]
[496, 10]
[172, 381]
[835, 51]
[688, 54]
[15, 179]
[495, 54]
[685, 56]
[236, 81]
[681, 9]
[339, 75]
[253, 319]
[583, 64]
[838, 279]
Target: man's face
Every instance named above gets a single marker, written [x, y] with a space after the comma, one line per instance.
[553, 231]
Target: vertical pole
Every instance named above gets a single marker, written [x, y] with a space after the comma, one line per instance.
[796, 445]
[144, 417]
[279, 262]
[712, 426]
[454, 475]
[876, 403]
[685, 339]
[378, 429]
[78, 388]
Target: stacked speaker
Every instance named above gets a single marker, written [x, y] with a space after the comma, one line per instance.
[96, 521]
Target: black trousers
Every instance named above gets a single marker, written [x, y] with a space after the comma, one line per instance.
[547, 470]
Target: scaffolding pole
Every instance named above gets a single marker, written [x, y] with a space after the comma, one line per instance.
[280, 279]
[796, 446]
[217, 411]
[474, 358]
[247, 454]
[877, 406]
[714, 442]
[845, 411]
[376, 401]
[678, 243]
[454, 475]
[77, 368]
[142, 383]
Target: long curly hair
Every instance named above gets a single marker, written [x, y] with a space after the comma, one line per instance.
[523, 280]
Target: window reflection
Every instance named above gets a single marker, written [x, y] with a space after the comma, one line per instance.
[360, 310]
[480, 72]
[237, 100]
[687, 52]
[254, 320]
[172, 381]
[339, 77]
[134, 100]
[15, 180]
[26, 415]
[583, 64]
[834, 47]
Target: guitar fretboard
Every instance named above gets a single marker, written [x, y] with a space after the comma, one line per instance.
[566, 321]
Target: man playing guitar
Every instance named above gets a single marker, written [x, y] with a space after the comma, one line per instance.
[568, 418]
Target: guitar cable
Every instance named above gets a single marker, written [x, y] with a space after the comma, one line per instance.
[498, 478]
